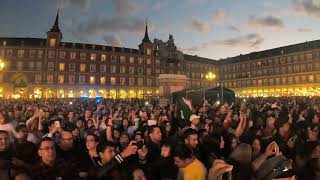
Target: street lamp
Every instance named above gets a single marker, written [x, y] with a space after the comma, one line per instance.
[1, 65]
[210, 76]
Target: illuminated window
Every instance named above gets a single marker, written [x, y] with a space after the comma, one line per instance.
[82, 67]
[61, 66]
[50, 79]
[62, 55]
[71, 79]
[102, 80]
[122, 59]
[140, 81]
[140, 60]
[61, 79]
[131, 81]
[82, 79]
[158, 62]
[113, 80]
[103, 57]
[149, 82]
[103, 68]
[311, 78]
[53, 42]
[73, 55]
[148, 51]
[122, 80]
[92, 68]
[93, 56]
[92, 80]
[148, 60]
[131, 60]
[122, 69]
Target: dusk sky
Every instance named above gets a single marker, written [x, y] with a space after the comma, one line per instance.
[208, 28]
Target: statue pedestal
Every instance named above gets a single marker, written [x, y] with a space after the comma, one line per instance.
[170, 83]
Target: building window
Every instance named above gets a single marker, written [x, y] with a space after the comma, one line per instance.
[82, 67]
[284, 80]
[140, 81]
[290, 80]
[20, 53]
[49, 79]
[140, 70]
[73, 55]
[148, 60]
[9, 53]
[122, 59]
[148, 51]
[92, 80]
[122, 69]
[71, 79]
[53, 42]
[157, 71]
[61, 79]
[131, 70]
[32, 53]
[51, 54]
[93, 56]
[131, 81]
[61, 66]
[103, 68]
[72, 67]
[113, 80]
[158, 62]
[149, 82]
[92, 68]
[311, 78]
[50, 66]
[113, 58]
[113, 69]
[103, 57]
[40, 54]
[38, 66]
[83, 56]
[62, 54]
[37, 78]
[122, 80]
[131, 60]
[140, 60]
[31, 65]
[82, 79]
[103, 80]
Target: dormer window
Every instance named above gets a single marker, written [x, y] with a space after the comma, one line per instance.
[53, 42]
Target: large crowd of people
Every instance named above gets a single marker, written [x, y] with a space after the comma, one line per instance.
[250, 139]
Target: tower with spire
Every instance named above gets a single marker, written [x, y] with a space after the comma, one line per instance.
[146, 46]
[54, 36]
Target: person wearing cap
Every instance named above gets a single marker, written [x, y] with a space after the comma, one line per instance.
[195, 121]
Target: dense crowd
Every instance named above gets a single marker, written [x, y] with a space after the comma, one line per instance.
[260, 138]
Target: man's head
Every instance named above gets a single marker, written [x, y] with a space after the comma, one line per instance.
[107, 151]
[4, 141]
[182, 156]
[124, 139]
[195, 120]
[22, 132]
[155, 133]
[66, 140]
[191, 137]
[47, 151]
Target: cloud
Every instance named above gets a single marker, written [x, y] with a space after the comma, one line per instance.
[100, 25]
[159, 5]
[113, 40]
[265, 22]
[307, 7]
[219, 17]
[80, 4]
[233, 28]
[125, 7]
[250, 40]
[304, 29]
[198, 25]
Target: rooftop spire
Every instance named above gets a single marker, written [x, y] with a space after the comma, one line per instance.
[146, 36]
[55, 27]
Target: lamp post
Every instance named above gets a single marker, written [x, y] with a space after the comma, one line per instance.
[2, 65]
[210, 77]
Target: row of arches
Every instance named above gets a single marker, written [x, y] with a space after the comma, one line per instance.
[93, 93]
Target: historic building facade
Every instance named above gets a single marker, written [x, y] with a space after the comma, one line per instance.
[48, 67]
